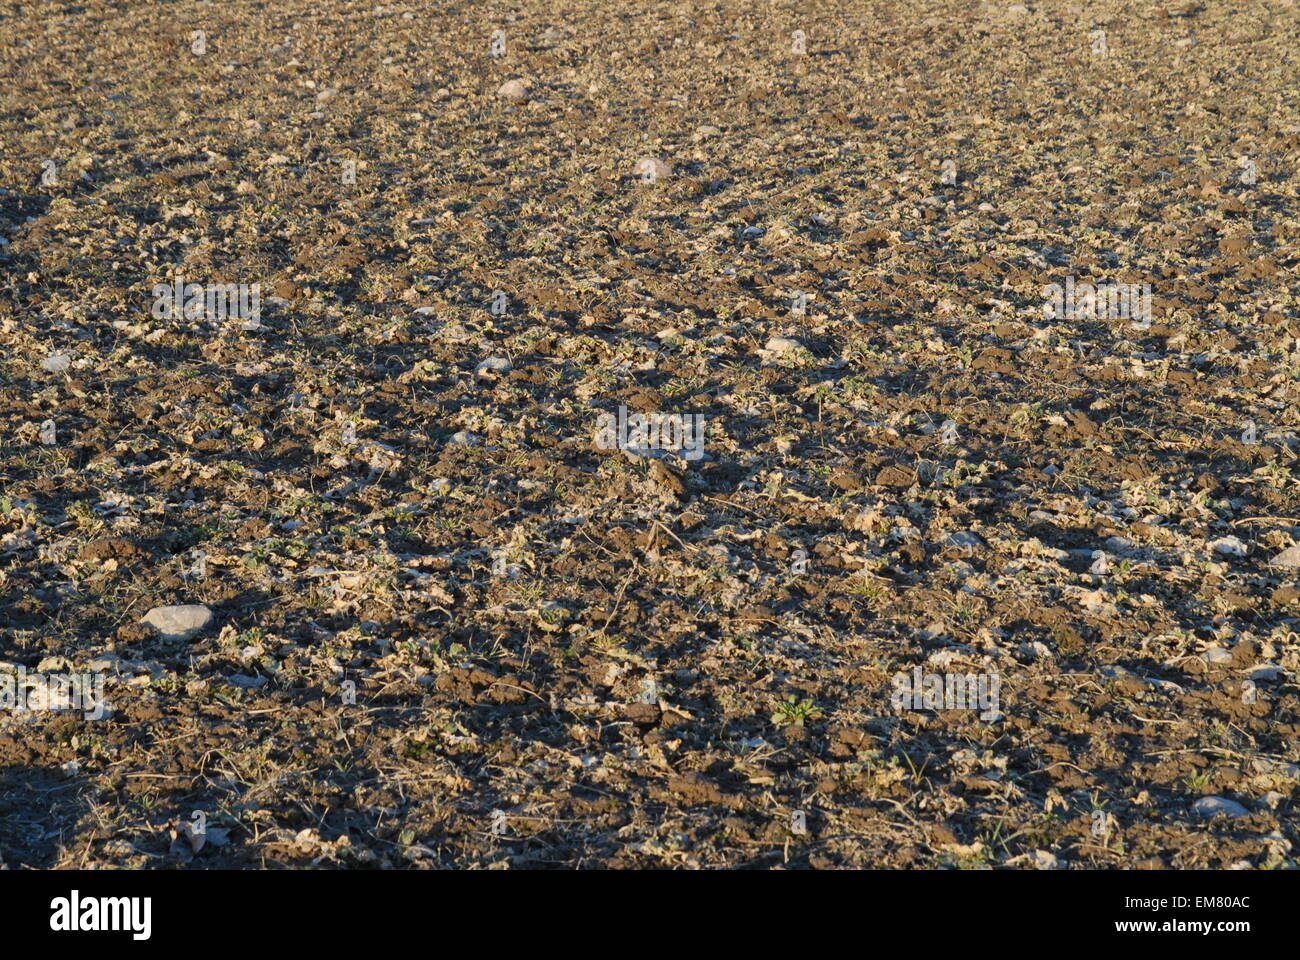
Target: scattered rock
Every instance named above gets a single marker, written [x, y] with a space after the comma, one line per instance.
[1265, 671]
[1229, 546]
[782, 345]
[652, 168]
[1265, 765]
[493, 366]
[105, 662]
[964, 540]
[1288, 559]
[1209, 807]
[1036, 650]
[247, 682]
[512, 90]
[642, 453]
[1113, 671]
[182, 622]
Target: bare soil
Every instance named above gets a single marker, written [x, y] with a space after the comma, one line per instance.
[629, 657]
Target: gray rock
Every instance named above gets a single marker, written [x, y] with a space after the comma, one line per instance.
[512, 90]
[781, 345]
[642, 453]
[497, 366]
[58, 363]
[652, 168]
[1229, 546]
[1036, 650]
[105, 662]
[1044, 860]
[1208, 807]
[932, 632]
[1288, 559]
[964, 539]
[1167, 686]
[1265, 671]
[181, 622]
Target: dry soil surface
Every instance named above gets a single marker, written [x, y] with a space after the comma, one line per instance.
[452, 629]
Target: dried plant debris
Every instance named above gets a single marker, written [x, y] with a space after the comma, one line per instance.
[732, 435]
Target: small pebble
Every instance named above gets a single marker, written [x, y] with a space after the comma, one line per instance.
[1208, 807]
[512, 90]
[782, 345]
[181, 622]
[1229, 546]
[496, 366]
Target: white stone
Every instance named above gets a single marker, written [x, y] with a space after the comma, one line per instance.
[1209, 807]
[181, 622]
[652, 168]
[780, 345]
[1044, 860]
[1229, 546]
[512, 90]
[1288, 558]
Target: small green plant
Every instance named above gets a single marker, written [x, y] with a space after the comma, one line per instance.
[793, 711]
[917, 772]
[552, 613]
[1196, 782]
[83, 515]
